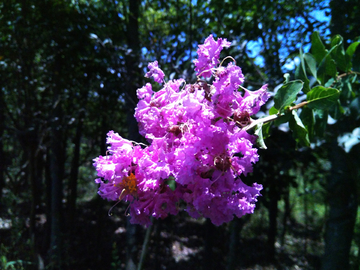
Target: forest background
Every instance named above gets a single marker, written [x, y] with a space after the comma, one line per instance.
[69, 74]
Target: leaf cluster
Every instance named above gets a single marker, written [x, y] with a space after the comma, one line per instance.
[324, 83]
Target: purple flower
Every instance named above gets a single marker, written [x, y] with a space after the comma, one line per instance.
[145, 92]
[196, 141]
[226, 84]
[220, 200]
[155, 72]
[209, 54]
[157, 203]
[253, 100]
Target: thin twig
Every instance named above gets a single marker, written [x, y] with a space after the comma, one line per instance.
[266, 119]
[344, 75]
[227, 57]
[302, 104]
[273, 117]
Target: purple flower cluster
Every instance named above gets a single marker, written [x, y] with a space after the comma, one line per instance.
[198, 149]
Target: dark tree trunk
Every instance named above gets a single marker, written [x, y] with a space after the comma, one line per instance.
[234, 245]
[56, 167]
[2, 152]
[33, 187]
[306, 216]
[132, 65]
[57, 160]
[100, 221]
[208, 260]
[342, 212]
[46, 240]
[28, 133]
[273, 213]
[287, 213]
[75, 170]
[354, 159]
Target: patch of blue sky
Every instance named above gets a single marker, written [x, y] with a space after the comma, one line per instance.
[255, 47]
[121, 98]
[321, 16]
[111, 70]
[144, 50]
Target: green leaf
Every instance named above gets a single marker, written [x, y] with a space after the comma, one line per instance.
[311, 64]
[322, 98]
[171, 183]
[321, 118]
[273, 110]
[285, 118]
[330, 82]
[287, 94]
[260, 139]
[266, 130]
[354, 78]
[336, 111]
[300, 73]
[338, 53]
[354, 108]
[346, 91]
[327, 66]
[317, 47]
[349, 54]
[308, 119]
[330, 67]
[351, 49]
[300, 133]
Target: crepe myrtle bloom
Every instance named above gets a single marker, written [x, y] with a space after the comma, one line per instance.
[209, 54]
[155, 72]
[198, 150]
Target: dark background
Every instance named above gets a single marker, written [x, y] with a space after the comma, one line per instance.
[69, 71]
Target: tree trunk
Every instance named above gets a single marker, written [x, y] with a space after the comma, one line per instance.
[306, 216]
[75, 170]
[56, 166]
[57, 160]
[46, 240]
[234, 246]
[208, 260]
[2, 152]
[33, 187]
[287, 213]
[273, 213]
[354, 158]
[342, 212]
[132, 65]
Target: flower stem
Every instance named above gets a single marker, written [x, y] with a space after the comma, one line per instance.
[145, 245]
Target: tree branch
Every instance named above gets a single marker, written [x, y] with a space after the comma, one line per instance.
[273, 117]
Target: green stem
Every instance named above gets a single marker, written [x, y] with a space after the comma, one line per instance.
[273, 117]
[145, 246]
[266, 119]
